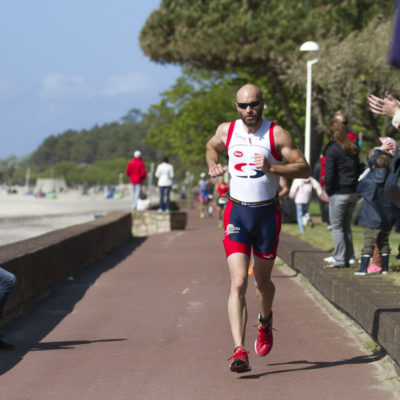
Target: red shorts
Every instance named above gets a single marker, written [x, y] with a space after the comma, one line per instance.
[247, 227]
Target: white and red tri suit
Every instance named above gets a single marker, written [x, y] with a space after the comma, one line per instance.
[252, 217]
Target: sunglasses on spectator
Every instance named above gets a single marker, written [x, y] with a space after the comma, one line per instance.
[253, 104]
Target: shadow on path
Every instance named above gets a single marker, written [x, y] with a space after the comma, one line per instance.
[27, 330]
[305, 365]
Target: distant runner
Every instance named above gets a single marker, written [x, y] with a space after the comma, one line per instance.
[222, 199]
[252, 219]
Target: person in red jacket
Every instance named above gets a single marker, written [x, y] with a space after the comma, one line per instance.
[136, 170]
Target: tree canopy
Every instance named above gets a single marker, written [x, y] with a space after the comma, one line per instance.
[112, 140]
[223, 34]
[261, 40]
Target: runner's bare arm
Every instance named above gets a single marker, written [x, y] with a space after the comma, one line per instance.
[213, 149]
[296, 167]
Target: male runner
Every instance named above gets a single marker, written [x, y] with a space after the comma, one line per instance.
[256, 149]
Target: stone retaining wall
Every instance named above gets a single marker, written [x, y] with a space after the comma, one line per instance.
[372, 301]
[146, 223]
[40, 262]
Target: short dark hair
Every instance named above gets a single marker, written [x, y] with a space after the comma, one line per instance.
[382, 161]
[165, 159]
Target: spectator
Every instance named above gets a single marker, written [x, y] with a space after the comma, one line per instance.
[136, 170]
[376, 214]
[300, 193]
[283, 188]
[165, 173]
[7, 284]
[390, 107]
[288, 208]
[342, 169]
[323, 204]
[356, 139]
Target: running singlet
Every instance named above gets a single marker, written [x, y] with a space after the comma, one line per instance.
[247, 183]
[250, 225]
[222, 189]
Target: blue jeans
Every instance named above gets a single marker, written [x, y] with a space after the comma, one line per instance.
[164, 192]
[135, 191]
[7, 284]
[301, 211]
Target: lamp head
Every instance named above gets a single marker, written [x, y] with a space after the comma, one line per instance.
[310, 46]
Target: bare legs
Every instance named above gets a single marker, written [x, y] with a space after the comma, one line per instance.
[238, 264]
[265, 289]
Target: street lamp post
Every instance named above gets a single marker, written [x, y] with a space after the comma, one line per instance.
[309, 46]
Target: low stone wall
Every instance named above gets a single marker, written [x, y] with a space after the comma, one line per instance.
[373, 301]
[146, 223]
[40, 262]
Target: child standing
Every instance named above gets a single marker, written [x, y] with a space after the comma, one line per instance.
[300, 193]
[376, 214]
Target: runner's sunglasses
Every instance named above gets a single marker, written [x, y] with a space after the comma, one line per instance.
[253, 104]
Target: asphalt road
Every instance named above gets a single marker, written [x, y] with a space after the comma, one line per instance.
[150, 322]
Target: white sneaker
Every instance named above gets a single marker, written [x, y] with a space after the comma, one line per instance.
[352, 261]
[329, 260]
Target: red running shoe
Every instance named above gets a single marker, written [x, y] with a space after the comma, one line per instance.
[240, 362]
[264, 341]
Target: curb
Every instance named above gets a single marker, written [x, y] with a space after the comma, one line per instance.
[372, 301]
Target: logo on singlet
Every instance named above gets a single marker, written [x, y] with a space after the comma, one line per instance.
[251, 172]
[230, 229]
[238, 154]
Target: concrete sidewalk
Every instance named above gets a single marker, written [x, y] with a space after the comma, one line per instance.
[150, 322]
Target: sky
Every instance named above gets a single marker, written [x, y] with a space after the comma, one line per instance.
[72, 64]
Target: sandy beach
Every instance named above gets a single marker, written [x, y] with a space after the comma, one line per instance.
[25, 216]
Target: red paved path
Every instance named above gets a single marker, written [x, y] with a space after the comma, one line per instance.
[150, 323]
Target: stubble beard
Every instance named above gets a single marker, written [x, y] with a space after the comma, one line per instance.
[254, 122]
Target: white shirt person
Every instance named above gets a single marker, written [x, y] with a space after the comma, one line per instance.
[165, 174]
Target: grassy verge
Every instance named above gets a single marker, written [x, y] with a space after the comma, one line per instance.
[320, 237]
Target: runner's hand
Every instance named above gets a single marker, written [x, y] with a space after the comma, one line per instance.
[261, 162]
[217, 170]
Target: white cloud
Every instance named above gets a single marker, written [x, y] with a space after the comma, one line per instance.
[60, 86]
[132, 82]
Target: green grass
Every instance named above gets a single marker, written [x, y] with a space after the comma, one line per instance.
[320, 237]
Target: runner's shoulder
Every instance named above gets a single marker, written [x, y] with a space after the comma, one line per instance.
[222, 132]
[223, 129]
[281, 135]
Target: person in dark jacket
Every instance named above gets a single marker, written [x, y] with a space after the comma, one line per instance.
[376, 214]
[342, 169]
